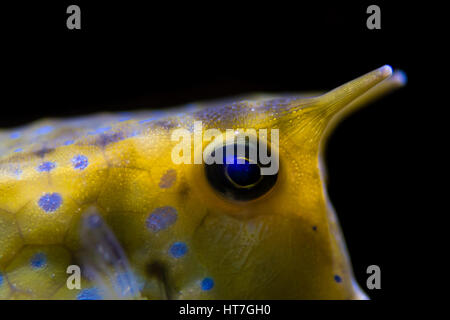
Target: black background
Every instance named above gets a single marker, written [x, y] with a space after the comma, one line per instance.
[130, 56]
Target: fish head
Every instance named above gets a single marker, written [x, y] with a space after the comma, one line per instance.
[261, 229]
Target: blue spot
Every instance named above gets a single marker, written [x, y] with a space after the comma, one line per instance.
[166, 124]
[18, 150]
[147, 120]
[50, 202]
[80, 162]
[39, 260]
[46, 166]
[99, 130]
[44, 130]
[337, 278]
[17, 172]
[89, 294]
[168, 179]
[314, 228]
[133, 134]
[104, 129]
[178, 249]
[161, 218]
[124, 116]
[1, 279]
[68, 142]
[207, 284]
[15, 135]
[107, 138]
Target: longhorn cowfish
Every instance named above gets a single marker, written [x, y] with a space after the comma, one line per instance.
[102, 193]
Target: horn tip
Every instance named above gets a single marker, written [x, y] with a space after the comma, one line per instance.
[386, 70]
[400, 77]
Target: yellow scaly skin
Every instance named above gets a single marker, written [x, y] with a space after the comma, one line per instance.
[284, 245]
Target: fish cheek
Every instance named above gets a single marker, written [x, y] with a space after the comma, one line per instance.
[262, 258]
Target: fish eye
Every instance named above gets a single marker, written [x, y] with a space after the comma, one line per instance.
[238, 176]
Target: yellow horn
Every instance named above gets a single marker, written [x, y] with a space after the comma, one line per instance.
[337, 99]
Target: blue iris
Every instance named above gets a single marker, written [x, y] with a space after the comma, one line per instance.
[244, 174]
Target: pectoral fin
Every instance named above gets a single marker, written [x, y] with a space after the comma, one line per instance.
[104, 261]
